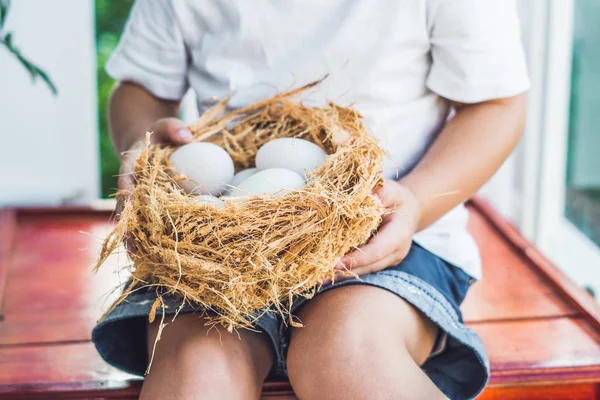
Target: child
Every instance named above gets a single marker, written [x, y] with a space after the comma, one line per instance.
[439, 82]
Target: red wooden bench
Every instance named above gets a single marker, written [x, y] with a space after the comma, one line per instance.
[541, 331]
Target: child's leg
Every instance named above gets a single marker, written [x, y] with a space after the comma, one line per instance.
[361, 342]
[191, 363]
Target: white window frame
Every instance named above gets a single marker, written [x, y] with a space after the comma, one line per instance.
[545, 145]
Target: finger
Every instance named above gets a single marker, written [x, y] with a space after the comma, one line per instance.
[387, 195]
[389, 261]
[170, 130]
[126, 180]
[125, 183]
[379, 247]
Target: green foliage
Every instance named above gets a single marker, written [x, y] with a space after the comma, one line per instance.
[4, 5]
[6, 39]
[110, 19]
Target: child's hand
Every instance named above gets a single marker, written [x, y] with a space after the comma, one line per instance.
[165, 130]
[391, 243]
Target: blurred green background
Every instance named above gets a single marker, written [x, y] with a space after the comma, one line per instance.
[583, 164]
[111, 16]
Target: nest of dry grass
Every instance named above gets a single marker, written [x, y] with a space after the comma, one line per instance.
[257, 254]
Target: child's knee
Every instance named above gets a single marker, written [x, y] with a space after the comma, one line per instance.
[208, 354]
[354, 373]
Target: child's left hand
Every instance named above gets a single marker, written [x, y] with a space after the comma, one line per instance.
[391, 243]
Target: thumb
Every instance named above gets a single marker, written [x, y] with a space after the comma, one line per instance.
[391, 194]
[384, 194]
[171, 130]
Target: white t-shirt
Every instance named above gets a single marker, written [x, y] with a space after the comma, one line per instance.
[394, 60]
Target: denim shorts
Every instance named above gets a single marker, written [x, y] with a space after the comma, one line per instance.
[458, 366]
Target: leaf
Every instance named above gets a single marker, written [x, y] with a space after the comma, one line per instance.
[4, 6]
[34, 71]
[48, 81]
[7, 39]
[26, 63]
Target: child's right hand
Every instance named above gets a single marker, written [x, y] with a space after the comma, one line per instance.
[165, 130]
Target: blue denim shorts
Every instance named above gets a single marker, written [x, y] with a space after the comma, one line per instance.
[459, 367]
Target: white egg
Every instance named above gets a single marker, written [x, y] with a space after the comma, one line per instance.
[207, 199]
[242, 176]
[298, 155]
[208, 167]
[277, 181]
[239, 178]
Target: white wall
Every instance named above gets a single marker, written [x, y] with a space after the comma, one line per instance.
[48, 145]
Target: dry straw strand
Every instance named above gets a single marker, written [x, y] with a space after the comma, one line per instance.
[257, 255]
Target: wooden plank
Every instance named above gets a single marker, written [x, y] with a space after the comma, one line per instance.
[508, 290]
[277, 391]
[569, 292]
[8, 228]
[56, 327]
[543, 392]
[53, 295]
[40, 366]
[575, 391]
[561, 350]
[97, 390]
[57, 286]
[98, 212]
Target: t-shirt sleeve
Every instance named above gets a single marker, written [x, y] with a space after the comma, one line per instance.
[152, 51]
[476, 50]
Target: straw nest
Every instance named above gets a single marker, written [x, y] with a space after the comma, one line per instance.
[254, 255]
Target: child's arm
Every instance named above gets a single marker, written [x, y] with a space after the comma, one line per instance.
[468, 151]
[471, 147]
[133, 111]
